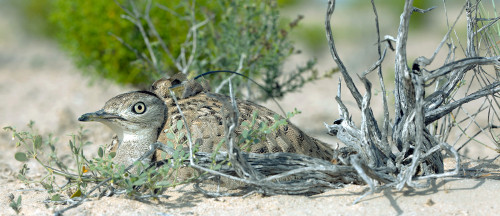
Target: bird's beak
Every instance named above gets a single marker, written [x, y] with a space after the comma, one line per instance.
[99, 115]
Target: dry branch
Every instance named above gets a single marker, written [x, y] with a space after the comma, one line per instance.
[418, 149]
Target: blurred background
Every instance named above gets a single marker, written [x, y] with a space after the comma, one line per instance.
[59, 59]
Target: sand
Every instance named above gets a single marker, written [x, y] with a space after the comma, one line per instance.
[38, 82]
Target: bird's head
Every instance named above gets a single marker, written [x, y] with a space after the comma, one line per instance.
[134, 113]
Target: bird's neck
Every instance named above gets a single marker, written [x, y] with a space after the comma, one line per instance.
[133, 145]
[140, 136]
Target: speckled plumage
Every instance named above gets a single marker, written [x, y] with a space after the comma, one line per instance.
[203, 112]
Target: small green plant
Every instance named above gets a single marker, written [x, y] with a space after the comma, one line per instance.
[144, 181]
[255, 132]
[45, 153]
[15, 203]
[87, 172]
[177, 160]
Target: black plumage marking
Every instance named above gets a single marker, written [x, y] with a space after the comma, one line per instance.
[285, 128]
[276, 149]
[262, 150]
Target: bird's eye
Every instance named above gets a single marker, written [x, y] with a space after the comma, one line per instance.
[176, 82]
[139, 108]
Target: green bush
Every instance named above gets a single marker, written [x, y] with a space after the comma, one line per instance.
[104, 41]
[230, 32]
[85, 28]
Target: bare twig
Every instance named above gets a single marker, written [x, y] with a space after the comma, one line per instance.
[422, 61]
[402, 79]
[437, 113]
[333, 50]
[461, 64]
[415, 9]
[136, 20]
[157, 35]
[385, 129]
[193, 30]
[135, 51]
[240, 67]
[241, 166]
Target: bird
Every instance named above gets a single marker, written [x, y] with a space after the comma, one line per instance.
[140, 118]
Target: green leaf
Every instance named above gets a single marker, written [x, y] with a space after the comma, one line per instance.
[8, 128]
[244, 134]
[16, 205]
[178, 148]
[170, 144]
[163, 183]
[112, 154]
[24, 169]
[56, 197]
[100, 152]
[31, 124]
[78, 193]
[21, 156]
[38, 141]
[72, 147]
[19, 199]
[175, 156]
[140, 181]
[170, 136]
[47, 186]
[179, 125]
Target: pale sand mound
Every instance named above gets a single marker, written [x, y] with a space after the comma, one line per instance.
[447, 197]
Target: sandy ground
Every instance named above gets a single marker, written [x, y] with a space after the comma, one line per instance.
[38, 82]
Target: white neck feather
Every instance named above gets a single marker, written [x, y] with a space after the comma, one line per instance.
[134, 145]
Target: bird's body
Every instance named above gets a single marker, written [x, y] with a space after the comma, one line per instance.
[204, 112]
[205, 117]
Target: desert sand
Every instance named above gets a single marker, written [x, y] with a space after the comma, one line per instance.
[38, 82]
